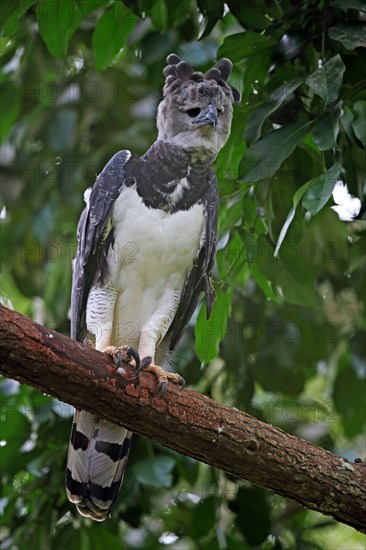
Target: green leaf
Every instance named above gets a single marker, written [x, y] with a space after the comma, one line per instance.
[159, 15]
[264, 284]
[349, 399]
[12, 15]
[7, 46]
[10, 291]
[15, 430]
[347, 123]
[99, 538]
[250, 245]
[252, 514]
[204, 517]
[259, 115]
[7, 11]
[349, 4]
[326, 82]
[231, 261]
[41, 537]
[209, 333]
[9, 108]
[264, 157]
[57, 21]
[188, 468]
[290, 275]
[231, 216]
[321, 189]
[326, 129]
[252, 14]
[213, 12]
[256, 71]
[358, 253]
[111, 33]
[295, 201]
[273, 375]
[156, 471]
[244, 44]
[359, 121]
[179, 14]
[279, 201]
[295, 280]
[350, 35]
[67, 537]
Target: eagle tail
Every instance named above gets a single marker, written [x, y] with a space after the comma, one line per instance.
[96, 462]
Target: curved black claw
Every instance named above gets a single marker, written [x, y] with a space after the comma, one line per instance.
[182, 382]
[132, 352]
[145, 363]
[118, 358]
[162, 388]
[163, 385]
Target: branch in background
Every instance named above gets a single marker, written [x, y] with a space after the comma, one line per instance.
[183, 420]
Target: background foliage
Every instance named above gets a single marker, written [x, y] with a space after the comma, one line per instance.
[81, 80]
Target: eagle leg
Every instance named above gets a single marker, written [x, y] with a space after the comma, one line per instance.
[123, 354]
[87, 342]
[162, 376]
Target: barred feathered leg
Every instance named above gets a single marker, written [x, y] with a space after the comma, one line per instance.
[97, 458]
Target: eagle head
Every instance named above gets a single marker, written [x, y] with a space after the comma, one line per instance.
[196, 111]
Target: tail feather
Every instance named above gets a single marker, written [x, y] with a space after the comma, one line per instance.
[97, 457]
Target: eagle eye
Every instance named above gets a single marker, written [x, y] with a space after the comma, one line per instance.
[192, 113]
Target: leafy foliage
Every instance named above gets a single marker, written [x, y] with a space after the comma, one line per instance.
[81, 80]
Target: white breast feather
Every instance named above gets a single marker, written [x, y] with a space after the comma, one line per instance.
[152, 254]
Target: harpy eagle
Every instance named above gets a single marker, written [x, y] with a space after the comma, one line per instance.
[146, 247]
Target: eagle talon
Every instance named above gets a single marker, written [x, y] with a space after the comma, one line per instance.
[163, 377]
[118, 359]
[123, 354]
[145, 363]
[133, 353]
[162, 388]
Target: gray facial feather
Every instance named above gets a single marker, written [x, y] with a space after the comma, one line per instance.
[186, 89]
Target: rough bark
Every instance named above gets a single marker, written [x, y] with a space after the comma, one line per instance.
[184, 420]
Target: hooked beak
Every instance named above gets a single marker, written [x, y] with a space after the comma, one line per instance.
[207, 116]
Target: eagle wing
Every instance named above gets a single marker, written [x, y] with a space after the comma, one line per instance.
[95, 236]
[198, 278]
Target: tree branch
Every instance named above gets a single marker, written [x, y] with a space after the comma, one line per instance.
[183, 420]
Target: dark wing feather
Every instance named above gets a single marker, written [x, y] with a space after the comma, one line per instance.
[93, 233]
[198, 278]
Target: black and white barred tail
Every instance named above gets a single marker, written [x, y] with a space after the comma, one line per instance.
[96, 462]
